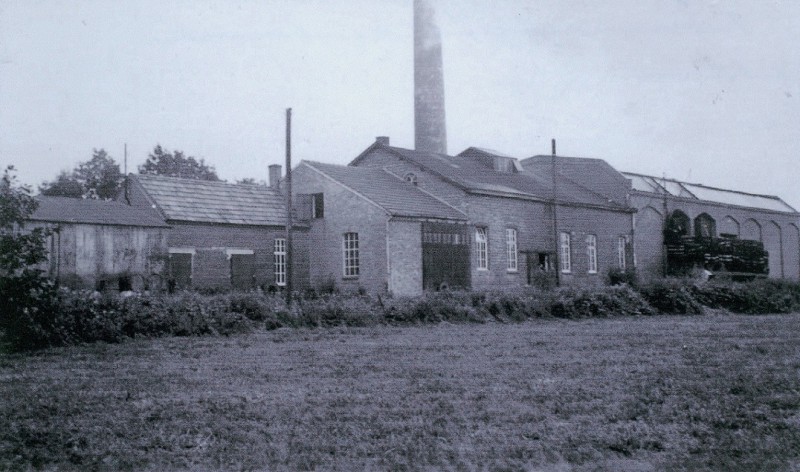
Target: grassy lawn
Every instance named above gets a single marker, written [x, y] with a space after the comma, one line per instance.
[718, 392]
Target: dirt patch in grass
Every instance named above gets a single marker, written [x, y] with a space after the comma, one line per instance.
[663, 393]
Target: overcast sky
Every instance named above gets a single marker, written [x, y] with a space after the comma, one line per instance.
[701, 90]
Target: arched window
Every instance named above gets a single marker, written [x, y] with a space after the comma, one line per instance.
[705, 226]
[677, 226]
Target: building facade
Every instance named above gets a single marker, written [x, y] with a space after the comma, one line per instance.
[222, 235]
[712, 212]
[102, 245]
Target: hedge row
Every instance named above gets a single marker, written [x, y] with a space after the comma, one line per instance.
[79, 316]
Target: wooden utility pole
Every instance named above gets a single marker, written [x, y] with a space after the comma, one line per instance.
[289, 266]
[557, 254]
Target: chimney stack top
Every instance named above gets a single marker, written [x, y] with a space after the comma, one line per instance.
[274, 176]
[382, 140]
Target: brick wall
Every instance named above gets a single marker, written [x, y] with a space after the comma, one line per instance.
[405, 257]
[210, 263]
[607, 226]
[778, 231]
[345, 212]
[532, 220]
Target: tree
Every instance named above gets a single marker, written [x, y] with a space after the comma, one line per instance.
[27, 295]
[163, 162]
[65, 185]
[99, 177]
[250, 181]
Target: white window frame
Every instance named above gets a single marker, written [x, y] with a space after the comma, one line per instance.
[512, 255]
[350, 255]
[622, 243]
[482, 247]
[279, 261]
[565, 259]
[591, 253]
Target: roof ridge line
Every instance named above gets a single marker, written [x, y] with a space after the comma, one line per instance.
[429, 194]
[310, 165]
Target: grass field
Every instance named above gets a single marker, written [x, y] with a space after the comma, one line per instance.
[719, 392]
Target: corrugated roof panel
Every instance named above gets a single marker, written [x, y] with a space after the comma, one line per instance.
[737, 198]
[710, 194]
[643, 184]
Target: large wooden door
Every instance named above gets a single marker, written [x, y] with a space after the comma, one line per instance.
[445, 256]
[242, 271]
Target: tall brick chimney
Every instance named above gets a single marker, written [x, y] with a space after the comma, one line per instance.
[429, 119]
[274, 176]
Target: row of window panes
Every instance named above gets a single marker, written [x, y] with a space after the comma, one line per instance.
[351, 251]
[444, 238]
[591, 252]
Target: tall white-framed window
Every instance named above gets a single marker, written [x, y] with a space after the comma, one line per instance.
[591, 253]
[482, 248]
[351, 260]
[622, 243]
[279, 257]
[511, 250]
[566, 250]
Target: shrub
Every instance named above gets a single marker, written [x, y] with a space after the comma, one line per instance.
[672, 296]
[617, 276]
[435, 307]
[336, 310]
[27, 296]
[600, 302]
[756, 297]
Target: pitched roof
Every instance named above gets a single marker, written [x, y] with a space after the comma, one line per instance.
[396, 196]
[101, 212]
[591, 173]
[676, 188]
[473, 176]
[214, 202]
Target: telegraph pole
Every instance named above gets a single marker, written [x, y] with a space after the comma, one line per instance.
[289, 266]
[557, 255]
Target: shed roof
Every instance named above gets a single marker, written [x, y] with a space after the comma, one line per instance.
[658, 185]
[100, 212]
[396, 196]
[473, 176]
[214, 202]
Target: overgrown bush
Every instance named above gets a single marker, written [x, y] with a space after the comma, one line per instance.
[599, 302]
[27, 297]
[338, 310]
[756, 297]
[435, 307]
[674, 296]
[617, 276]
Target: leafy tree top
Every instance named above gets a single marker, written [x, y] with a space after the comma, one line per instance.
[176, 164]
[99, 177]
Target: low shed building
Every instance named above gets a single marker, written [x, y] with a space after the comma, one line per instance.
[102, 244]
[225, 236]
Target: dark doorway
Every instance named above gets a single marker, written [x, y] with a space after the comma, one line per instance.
[180, 270]
[243, 271]
[445, 256]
